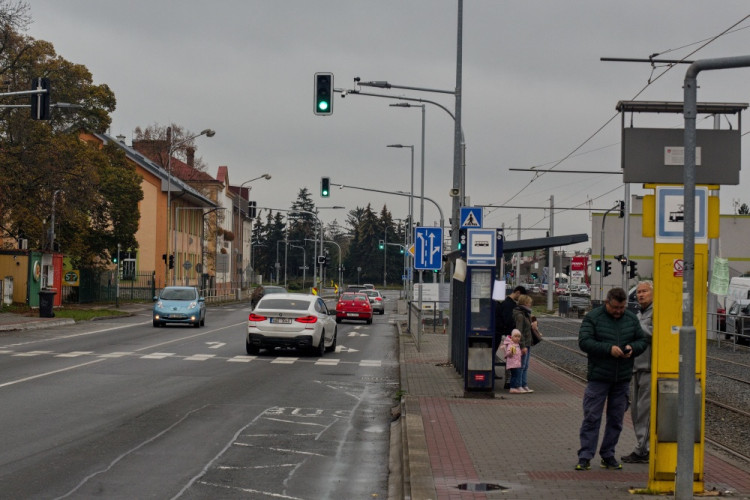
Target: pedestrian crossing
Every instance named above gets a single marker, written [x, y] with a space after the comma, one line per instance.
[204, 357]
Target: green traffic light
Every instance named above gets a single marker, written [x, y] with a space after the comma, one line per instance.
[323, 105]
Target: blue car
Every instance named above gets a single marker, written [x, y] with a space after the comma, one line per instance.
[180, 304]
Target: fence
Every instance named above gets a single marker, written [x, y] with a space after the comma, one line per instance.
[101, 286]
[432, 318]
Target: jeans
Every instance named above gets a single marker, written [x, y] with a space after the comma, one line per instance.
[615, 395]
[641, 410]
[515, 378]
[525, 367]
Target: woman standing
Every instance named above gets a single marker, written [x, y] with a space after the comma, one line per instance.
[522, 319]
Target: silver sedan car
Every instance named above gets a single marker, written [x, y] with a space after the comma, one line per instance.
[376, 301]
[301, 321]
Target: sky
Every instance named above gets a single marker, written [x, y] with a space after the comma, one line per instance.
[535, 93]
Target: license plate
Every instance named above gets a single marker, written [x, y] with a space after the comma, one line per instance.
[282, 321]
[353, 314]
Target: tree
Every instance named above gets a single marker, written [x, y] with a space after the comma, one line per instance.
[154, 143]
[744, 209]
[46, 170]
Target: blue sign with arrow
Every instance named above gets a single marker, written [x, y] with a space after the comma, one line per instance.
[428, 248]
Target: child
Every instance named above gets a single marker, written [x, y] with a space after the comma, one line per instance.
[512, 348]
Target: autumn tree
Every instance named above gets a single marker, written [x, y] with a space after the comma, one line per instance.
[45, 170]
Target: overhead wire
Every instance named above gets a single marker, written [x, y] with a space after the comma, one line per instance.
[704, 43]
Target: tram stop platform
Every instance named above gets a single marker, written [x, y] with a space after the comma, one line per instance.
[514, 446]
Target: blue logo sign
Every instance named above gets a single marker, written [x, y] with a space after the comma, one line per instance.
[428, 248]
[471, 217]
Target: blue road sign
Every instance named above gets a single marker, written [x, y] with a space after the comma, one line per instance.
[428, 248]
[471, 217]
[481, 249]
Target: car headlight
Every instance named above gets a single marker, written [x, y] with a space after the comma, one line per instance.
[158, 303]
[193, 305]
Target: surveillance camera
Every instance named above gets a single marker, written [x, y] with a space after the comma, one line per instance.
[356, 79]
[343, 94]
[454, 192]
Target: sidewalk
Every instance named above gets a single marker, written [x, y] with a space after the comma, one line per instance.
[513, 446]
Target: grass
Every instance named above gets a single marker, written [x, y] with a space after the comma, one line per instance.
[75, 313]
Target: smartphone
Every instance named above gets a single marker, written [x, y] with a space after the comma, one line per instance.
[627, 350]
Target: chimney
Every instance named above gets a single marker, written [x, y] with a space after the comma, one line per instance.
[190, 153]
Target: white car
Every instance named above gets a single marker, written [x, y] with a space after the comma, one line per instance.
[376, 301]
[301, 321]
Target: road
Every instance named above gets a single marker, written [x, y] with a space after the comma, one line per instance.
[119, 409]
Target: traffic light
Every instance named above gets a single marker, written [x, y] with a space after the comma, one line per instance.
[323, 94]
[114, 258]
[622, 209]
[607, 268]
[633, 271]
[325, 187]
[599, 266]
[40, 102]
[401, 250]
[327, 261]
[381, 244]
[171, 261]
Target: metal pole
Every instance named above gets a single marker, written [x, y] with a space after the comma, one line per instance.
[385, 255]
[551, 259]
[626, 238]
[169, 202]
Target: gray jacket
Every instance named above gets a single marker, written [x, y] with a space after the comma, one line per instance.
[643, 362]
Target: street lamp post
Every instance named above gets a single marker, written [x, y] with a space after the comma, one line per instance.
[172, 147]
[239, 225]
[304, 263]
[411, 212]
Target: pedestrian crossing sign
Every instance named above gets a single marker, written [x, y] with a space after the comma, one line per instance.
[471, 217]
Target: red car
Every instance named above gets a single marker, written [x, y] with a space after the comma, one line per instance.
[354, 306]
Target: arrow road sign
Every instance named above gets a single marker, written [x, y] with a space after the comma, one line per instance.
[428, 248]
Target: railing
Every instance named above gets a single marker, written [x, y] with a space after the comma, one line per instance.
[730, 329]
[432, 318]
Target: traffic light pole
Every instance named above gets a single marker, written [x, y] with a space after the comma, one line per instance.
[601, 254]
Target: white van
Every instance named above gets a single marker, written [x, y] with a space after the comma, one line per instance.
[739, 289]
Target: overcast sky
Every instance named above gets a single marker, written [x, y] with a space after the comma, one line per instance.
[534, 90]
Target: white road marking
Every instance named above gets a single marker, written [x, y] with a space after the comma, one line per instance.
[32, 353]
[74, 354]
[199, 357]
[284, 361]
[370, 362]
[49, 373]
[116, 354]
[328, 362]
[215, 345]
[241, 359]
[158, 355]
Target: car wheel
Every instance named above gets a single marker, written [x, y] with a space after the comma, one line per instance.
[156, 324]
[338, 320]
[369, 321]
[332, 348]
[321, 348]
[203, 321]
[252, 350]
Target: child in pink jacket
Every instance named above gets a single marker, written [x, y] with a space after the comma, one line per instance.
[512, 348]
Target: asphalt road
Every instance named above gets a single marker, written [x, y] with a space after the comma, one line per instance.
[119, 409]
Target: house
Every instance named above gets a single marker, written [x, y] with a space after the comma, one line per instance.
[178, 233]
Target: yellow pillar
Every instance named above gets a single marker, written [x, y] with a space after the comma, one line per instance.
[658, 219]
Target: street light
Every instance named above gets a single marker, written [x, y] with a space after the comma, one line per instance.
[411, 205]
[238, 225]
[172, 147]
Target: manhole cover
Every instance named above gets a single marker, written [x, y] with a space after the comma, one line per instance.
[481, 487]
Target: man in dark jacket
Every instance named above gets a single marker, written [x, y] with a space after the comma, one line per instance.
[504, 322]
[612, 337]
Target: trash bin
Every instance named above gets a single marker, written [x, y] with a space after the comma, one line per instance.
[563, 305]
[46, 303]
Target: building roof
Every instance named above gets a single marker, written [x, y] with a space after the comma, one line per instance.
[178, 185]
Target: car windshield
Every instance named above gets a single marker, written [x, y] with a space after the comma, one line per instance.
[372, 293]
[178, 294]
[289, 304]
[273, 289]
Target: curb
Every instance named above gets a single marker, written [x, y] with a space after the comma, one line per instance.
[36, 324]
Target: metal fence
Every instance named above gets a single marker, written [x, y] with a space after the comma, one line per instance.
[102, 286]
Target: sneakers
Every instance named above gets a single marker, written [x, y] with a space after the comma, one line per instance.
[514, 390]
[526, 389]
[583, 464]
[635, 458]
[611, 463]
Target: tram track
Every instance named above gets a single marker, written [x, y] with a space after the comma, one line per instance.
[726, 422]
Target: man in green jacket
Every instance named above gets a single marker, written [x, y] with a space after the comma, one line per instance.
[612, 337]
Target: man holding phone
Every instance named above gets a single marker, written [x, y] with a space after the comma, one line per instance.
[612, 337]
